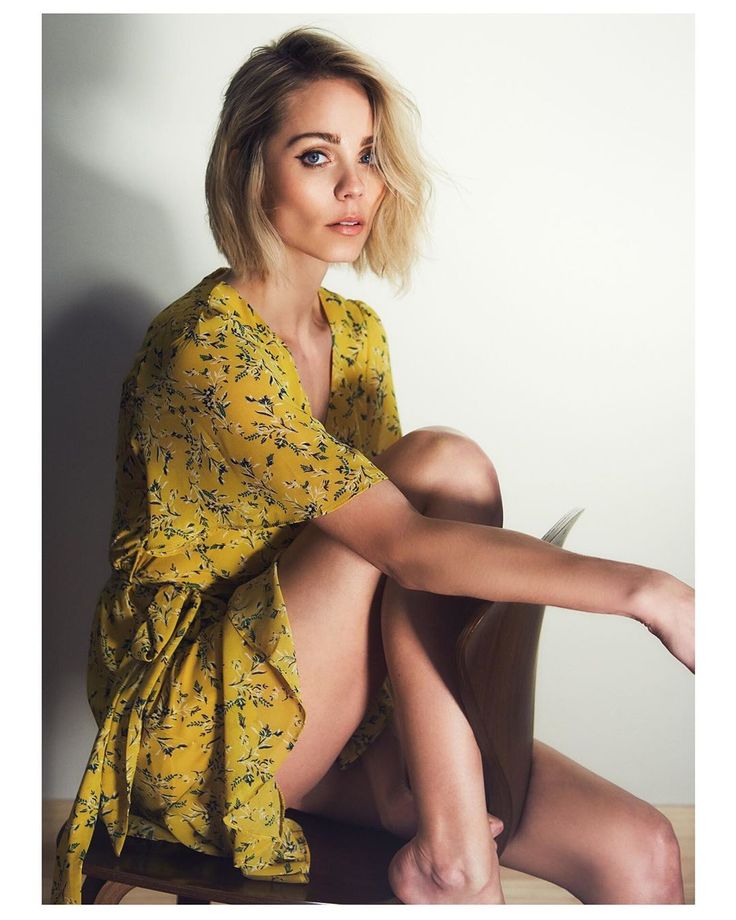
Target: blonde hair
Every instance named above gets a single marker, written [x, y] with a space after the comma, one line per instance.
[253, 110]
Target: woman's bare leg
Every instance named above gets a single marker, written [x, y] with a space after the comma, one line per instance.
[452, 858]
[333, 601]
[578, 830]
[600, 842]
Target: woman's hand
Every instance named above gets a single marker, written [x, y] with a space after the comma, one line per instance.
[666, 606]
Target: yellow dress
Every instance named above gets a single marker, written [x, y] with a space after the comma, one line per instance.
[192, 675]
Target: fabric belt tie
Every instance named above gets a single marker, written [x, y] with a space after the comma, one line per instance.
[101, 794]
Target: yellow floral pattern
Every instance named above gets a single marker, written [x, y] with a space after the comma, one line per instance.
[192, 675]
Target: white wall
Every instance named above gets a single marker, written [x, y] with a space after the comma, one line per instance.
[551, 319]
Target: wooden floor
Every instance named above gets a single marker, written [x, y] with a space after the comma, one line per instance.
[518, 888]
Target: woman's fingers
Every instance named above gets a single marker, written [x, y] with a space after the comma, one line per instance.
[667, 609]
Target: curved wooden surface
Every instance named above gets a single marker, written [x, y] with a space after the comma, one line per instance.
[349, 865]
[496, 655]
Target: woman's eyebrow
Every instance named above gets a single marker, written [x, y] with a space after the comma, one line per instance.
[325, 136]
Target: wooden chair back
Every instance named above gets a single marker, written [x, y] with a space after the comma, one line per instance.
[496, 656]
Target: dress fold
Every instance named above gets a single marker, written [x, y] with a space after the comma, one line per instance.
[105, 790]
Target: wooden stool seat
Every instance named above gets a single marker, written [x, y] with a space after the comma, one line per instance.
[349, 865]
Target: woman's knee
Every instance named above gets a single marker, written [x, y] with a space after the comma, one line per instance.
[661, 874]
[643, 865]
[442, 463]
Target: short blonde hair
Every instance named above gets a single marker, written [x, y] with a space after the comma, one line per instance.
[254, 106]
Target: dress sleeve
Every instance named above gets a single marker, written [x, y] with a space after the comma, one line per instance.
[383, 425]
[245, 415]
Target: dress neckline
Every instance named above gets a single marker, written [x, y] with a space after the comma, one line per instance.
[232, 293]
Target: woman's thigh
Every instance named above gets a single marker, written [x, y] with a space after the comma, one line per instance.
[333, 599]
[600, 842]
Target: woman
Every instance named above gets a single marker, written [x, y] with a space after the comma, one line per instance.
[262, 469]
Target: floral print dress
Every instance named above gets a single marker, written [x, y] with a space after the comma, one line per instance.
[192, 673]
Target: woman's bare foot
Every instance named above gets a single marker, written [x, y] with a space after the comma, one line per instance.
[417, 879]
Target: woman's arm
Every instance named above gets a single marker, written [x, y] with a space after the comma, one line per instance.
[492, 563]
[505, 565]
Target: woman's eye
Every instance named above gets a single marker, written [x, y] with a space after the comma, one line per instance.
[310, 158]
[311, 153]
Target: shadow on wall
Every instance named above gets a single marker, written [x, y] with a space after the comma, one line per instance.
[99, 241]
[91, 335]
[88, 349]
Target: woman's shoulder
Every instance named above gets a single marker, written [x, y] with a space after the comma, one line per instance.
[209, 304]
[207, 324]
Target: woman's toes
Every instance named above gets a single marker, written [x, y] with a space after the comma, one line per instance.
[496, 825]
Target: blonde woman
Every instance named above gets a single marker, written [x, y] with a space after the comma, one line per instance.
[290, 571]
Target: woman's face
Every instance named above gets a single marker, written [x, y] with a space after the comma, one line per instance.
[314, 182]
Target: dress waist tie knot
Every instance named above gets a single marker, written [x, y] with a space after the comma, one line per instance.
[115, 751]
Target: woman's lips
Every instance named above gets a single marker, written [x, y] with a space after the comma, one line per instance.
[346, 229]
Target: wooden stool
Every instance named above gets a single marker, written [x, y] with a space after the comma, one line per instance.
[349, 865]
[496, 657]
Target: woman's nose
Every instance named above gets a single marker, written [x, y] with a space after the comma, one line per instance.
[350, 185]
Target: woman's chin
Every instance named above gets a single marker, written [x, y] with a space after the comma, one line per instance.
[345, 252]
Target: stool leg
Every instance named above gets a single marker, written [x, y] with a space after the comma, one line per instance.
[91, 888]
[102, 892]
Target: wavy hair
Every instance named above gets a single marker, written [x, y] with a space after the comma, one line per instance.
[253, 111]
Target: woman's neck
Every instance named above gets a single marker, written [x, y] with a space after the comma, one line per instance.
[293, 310]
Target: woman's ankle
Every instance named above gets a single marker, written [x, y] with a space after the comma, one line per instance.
[470, 855]
[454, 836]
[456, 869]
